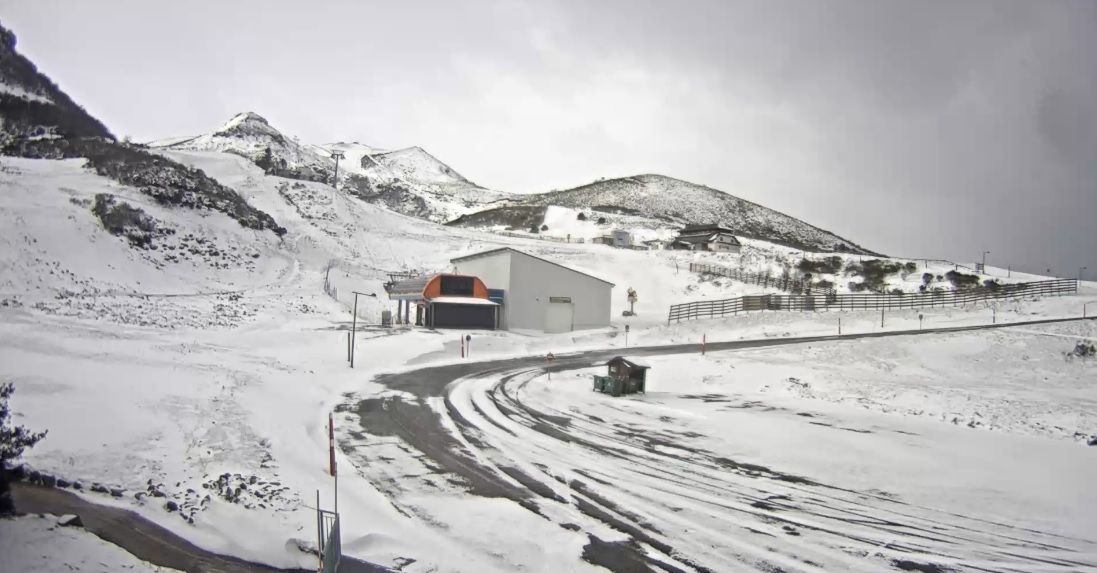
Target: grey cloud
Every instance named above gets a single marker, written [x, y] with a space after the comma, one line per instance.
[935, 128]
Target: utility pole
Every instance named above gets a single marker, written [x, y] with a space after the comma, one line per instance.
[336, 155]
[984, 267]
[354, 326]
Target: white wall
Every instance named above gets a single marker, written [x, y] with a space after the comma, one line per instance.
[530, 282]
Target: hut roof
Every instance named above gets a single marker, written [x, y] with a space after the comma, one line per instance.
[631, 362]
[409, 287]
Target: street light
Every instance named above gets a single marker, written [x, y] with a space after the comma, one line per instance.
[354, 327]
[985, 253]
[336, 155]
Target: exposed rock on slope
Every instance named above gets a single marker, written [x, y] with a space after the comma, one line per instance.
[674, 200]
[250, 135]
[32, 106]
[37, 120]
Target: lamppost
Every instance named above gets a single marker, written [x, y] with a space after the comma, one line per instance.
[354, 327]
[985, 253]
[336, 155]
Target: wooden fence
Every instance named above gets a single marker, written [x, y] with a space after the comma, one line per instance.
[784, 282]
[832, 301]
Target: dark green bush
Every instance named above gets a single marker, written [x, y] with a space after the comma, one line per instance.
[829, 266]
[962, 281]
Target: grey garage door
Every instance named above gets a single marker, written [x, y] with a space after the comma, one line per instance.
[463, 316]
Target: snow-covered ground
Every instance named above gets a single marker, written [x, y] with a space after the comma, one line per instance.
[209, 379]
[956, 450]
[37, 543]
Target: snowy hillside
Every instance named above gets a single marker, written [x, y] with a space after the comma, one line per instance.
[679, 202]
[412, 164]
[409, 181]
[32, 106]
[250, 135]
[179, 319]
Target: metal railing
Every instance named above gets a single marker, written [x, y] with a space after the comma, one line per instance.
[832, 301]
[331, 546]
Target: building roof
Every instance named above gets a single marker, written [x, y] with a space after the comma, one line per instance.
[704, 237]
[502, 250]
[408, 288]
[632, 362]
[463, 300]
[696, 228]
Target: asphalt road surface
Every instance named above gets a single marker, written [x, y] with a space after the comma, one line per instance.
[839, 516]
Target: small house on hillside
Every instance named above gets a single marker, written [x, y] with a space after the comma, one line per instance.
[706, 238]
[538, 294]
[445, 301]
[622, 239]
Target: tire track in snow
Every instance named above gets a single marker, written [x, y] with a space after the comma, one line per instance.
[519, 452]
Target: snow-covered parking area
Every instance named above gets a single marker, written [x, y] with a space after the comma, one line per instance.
[961, 451]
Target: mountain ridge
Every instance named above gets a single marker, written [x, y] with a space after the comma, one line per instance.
[678, 202]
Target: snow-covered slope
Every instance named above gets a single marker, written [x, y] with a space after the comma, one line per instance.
[679, 202]
[250, 135]
[412, 164]
[409, 181]
[32, 106]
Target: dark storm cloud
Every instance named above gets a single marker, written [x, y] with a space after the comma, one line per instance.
[920, 128]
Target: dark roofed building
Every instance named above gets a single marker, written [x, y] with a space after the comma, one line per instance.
[713, 238]
[445, 301]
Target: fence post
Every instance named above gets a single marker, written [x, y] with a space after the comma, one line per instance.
[703, 337]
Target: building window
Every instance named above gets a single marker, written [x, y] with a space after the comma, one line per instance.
[456, 286]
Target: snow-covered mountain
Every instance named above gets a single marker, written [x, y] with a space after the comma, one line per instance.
[409, 181]
[249, 135]
[676, 202]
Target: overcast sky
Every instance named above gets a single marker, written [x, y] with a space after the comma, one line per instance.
[918, 128]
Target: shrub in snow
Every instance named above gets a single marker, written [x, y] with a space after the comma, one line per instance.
[582, 216]
[962, 281]
[827, 266]
[125, 220]
[13, 441]
[544, 227]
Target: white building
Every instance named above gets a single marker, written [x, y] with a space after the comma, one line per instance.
[622, 239]
[539, 294]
